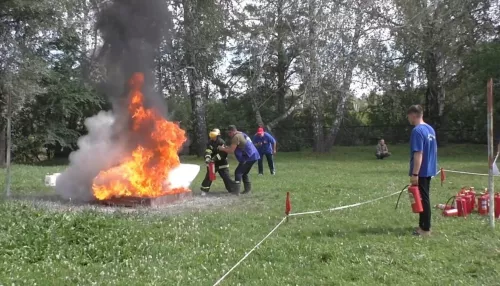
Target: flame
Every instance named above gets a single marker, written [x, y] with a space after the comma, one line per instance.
[144, 172]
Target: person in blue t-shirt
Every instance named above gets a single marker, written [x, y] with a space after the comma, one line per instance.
[423, 163]
[266, 145]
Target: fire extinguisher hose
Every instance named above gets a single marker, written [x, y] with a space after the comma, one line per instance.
[399, 197]
[451, 198]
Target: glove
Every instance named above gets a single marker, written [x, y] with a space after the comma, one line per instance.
[207, 161]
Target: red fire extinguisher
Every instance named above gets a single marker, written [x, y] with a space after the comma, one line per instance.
[447, 207]
[450, 212]
[469, 200]
[415, 199]
[497, 205]
[483, 204]
[462, 206]
[473, 197]
[211, 171]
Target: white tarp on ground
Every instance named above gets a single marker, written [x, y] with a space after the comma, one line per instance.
[496, 172]
[180, 177]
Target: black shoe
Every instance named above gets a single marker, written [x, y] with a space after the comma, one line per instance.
[273, 173]
[248, 187]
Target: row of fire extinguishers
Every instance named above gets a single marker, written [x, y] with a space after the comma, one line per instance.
[463, 204]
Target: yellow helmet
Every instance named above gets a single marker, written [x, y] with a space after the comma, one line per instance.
[214, 133]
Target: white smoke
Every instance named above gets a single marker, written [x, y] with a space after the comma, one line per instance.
[98, 150]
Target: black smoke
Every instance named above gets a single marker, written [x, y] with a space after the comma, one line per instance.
[131, 31]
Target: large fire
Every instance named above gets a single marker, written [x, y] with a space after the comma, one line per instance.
[144, 172]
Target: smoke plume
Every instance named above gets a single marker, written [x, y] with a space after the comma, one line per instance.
[131, 31]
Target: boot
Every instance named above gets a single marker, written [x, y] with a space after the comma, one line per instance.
[235, 188]
[204, 190]
[248, 187]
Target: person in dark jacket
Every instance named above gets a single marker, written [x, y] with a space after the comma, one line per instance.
[212, 154]
[266, 145]
[246, 154]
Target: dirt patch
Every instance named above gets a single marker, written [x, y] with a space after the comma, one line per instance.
[212, 201]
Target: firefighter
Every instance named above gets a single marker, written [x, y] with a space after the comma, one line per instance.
[212, 154]
[246, 154]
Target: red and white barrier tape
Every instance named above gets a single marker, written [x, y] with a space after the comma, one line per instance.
[297, 214]
[346, 207]
[466, 173]
[248, 253]
[495, 173]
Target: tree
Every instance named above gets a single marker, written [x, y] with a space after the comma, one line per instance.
[203, 31]
[25, 29]
[436, 35]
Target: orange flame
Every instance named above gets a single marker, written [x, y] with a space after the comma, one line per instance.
[144, 172]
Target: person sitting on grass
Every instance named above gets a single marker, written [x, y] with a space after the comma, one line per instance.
[382, 150]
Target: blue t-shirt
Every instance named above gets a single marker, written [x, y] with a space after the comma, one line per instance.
[423, 139]
[267, 143]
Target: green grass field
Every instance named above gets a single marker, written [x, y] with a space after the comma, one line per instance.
[368, 245]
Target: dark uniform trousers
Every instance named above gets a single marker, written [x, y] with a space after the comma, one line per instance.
[223, 173]
[221, 165]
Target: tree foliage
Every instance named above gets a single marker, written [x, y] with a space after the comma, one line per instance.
[315, 73]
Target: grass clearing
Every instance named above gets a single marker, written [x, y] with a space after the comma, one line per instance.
[368, 245]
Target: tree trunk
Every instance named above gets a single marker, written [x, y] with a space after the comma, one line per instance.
[3, 146]
[434, 95]
[434, 98]
[9, 146]
[282, 59]
[253, 82]
[194, 77]
[256, 109]
[314, 90]
[346, 83]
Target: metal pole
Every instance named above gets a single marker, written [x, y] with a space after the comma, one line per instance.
[491, 190]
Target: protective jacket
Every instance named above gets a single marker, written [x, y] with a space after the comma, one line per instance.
[213, 154]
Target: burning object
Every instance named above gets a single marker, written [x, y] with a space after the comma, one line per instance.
[131, 151]
[143, 172]
[180, 177]
[151, 168]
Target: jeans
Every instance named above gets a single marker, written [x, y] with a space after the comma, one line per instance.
[241, 172]
[270, 163]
